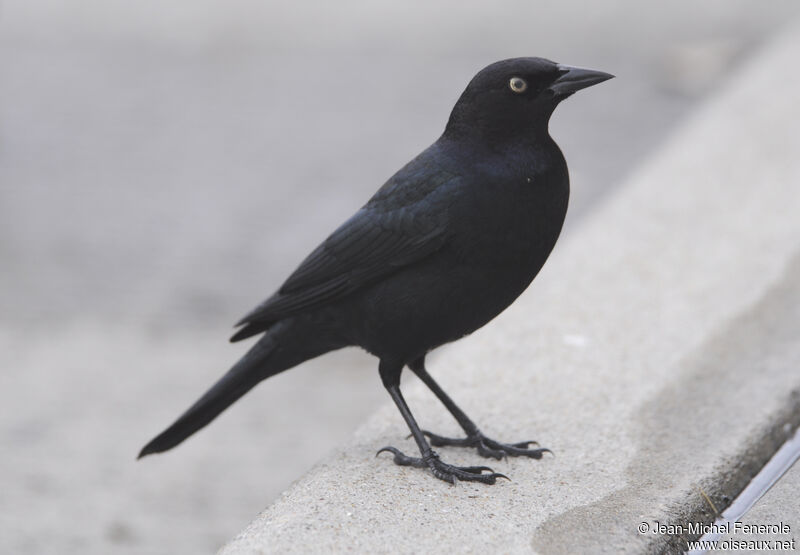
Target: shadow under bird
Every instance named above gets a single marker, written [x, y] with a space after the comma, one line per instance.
[444, 246]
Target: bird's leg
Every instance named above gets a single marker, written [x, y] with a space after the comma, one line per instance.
[486, 447]
[429, 458]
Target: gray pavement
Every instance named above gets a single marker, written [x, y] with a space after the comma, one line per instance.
[657, 356]
[163, 167]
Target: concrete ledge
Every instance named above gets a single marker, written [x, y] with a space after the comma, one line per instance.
[656, 354]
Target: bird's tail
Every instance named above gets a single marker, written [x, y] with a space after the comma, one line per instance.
[285, 345]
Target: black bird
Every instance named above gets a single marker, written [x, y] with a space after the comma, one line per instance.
[443, 247]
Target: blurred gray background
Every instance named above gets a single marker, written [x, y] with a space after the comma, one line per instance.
[163, 166]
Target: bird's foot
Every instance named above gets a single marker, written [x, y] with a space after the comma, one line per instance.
[444, 471]
[489, 447]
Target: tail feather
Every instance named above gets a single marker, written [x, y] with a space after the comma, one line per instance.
[251, 329]
[286, 344]
[240, 379]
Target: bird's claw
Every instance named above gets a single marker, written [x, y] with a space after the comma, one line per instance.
[488, 447]
[444, 471]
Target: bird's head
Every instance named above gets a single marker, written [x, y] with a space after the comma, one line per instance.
[517, 96]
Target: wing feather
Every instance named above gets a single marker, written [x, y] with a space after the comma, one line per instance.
[378, 240]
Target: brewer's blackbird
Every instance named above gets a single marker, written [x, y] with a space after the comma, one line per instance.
[444, 246]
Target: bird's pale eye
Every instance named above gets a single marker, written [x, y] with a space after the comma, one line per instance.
[517, 84]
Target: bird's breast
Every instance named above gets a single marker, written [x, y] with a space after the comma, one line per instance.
[512, 224]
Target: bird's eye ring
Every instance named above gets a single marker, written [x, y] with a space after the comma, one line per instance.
[517, 84]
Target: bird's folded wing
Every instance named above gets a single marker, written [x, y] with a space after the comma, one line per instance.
[375, 242]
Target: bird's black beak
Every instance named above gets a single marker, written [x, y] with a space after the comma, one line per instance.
[573, 79]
